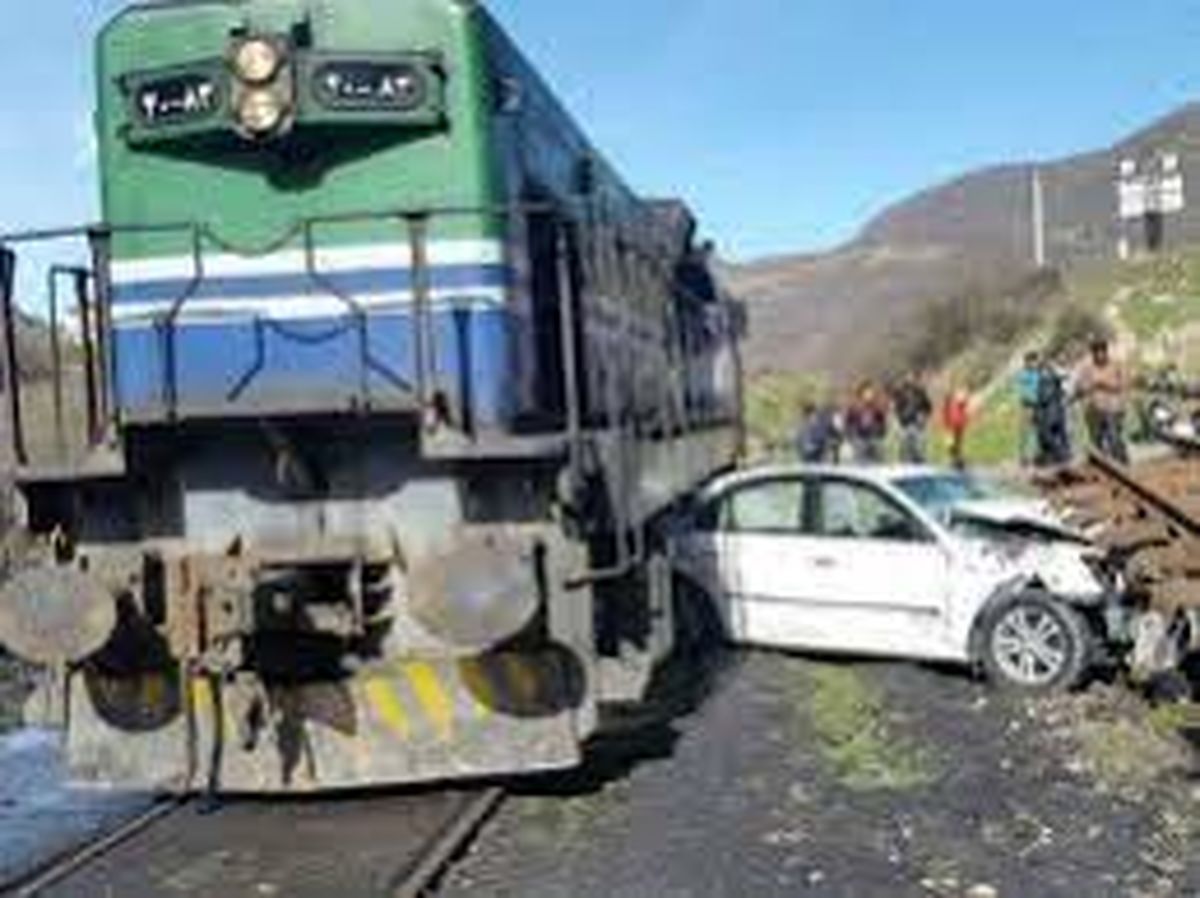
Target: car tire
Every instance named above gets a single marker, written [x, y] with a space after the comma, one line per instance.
[1035, 643]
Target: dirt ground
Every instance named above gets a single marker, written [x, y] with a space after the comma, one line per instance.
[862, 780]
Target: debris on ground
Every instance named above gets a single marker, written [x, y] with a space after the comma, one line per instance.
[1111, 735]
[1018, 797]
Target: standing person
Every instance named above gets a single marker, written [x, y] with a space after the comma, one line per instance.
[838, 434]
[817, 436]
[1051, 420]
[1102, 385]
[1028, 383]
[913, 409]
[956, 418]
[866, 425]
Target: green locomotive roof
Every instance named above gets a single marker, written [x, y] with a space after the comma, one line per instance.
[180, 168]
[171, 152]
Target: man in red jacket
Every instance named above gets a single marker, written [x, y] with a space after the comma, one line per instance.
[956, 418]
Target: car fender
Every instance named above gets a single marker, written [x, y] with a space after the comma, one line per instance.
[1001, 595]
[1061, 569]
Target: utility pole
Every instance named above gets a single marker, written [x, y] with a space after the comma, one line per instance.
[1038, 203]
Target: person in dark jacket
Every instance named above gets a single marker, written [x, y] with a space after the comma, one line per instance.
[913, 409]
[866, 425]
[1051, 417]
[817, 438]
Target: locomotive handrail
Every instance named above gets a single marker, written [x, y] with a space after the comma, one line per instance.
[100, 245]
[358, 315]
[80, 277]
[425, 360]
[171, 380]
[615, 265]
[12, 373]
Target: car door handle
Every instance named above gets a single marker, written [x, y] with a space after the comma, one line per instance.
[825, 563]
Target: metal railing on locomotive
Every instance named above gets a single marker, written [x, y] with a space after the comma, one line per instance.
[611, 263]
[93, 347]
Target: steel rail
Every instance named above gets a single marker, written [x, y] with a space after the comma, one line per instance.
[46, 876]
[447, 845]
[414, 880]
[1145, 493]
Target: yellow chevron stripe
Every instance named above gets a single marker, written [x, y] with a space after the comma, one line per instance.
[206, 705]
[386, 705]
[434, 699]
[202, 696]
[478, 688]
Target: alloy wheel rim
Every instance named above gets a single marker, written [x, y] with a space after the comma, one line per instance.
[1031, 646]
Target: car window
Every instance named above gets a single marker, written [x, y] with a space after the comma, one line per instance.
[776, 506]
[848, 510]
[938, 492]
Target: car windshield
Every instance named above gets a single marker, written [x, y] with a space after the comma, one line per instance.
[937, 493]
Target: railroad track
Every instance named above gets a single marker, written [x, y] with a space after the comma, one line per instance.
[45, 876]
[395, 846]
[1103, 491]
[1148, 516]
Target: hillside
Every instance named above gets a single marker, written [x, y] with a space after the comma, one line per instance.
[841, 312]
[1149, 306]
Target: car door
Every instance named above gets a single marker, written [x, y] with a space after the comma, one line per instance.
[879, 580]
[759, 526]
[739, 549]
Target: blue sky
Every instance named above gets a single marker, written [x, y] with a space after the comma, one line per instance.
[786, 123]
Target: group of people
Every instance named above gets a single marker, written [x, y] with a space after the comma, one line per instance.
[1046, 393]
[864, 424]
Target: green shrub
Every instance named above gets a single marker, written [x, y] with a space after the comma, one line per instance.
[977, 317]
[1073, 328]
[773, 403]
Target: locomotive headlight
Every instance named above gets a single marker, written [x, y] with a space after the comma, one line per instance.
[261, 111]
[257, 60]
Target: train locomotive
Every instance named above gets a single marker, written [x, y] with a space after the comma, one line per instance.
[385, 378]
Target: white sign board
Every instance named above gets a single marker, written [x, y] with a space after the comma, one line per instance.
[1133, 198]
[1171, 198]
[1142, 195]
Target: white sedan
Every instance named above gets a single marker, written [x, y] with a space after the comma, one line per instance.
[904, 562]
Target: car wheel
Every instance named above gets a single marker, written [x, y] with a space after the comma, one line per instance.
[1035, 644]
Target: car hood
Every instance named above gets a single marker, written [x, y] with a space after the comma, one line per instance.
[1029, 519]
[1031, 542]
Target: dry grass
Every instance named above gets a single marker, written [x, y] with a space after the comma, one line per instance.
[45, 444]
[773, 404]
[849, 718]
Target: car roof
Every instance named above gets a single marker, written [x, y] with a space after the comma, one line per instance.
[878, 474]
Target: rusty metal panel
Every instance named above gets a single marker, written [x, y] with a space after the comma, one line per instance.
[401, 722]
